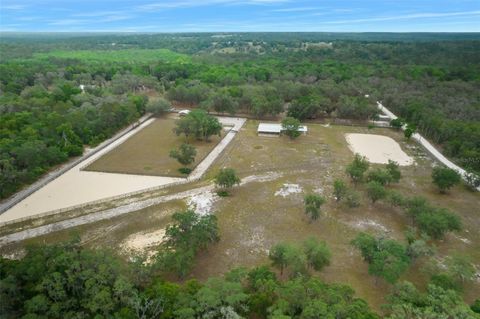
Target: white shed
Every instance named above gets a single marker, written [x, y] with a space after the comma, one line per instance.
[275, 129]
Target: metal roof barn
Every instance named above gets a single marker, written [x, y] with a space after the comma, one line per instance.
[276, 128]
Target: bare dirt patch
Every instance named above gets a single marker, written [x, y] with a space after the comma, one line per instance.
[143, 241]
[288, 189]
[202, 203]
[378, 148]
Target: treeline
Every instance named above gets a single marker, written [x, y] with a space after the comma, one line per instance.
[69, 280]
[52, 120]
[431, 84]
[448, 113]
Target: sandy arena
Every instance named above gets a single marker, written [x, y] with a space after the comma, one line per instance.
[378, 148]
[77, 187]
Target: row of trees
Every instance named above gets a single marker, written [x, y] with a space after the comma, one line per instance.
[69, 280]
[44, 127]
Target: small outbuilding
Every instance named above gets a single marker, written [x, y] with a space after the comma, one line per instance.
[276, 129]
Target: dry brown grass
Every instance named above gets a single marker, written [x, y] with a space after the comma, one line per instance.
[253, 219]
[147, 152]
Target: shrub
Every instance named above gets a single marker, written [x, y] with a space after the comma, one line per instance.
[357, 168]
[312, 205]
[352, 199]
[339, 189]
[396, 123]
[185, 170]
[376, 191]
[445, 178]
[226, 178]
[394, 171]
[379, 175]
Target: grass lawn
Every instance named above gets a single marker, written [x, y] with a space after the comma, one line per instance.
[254, 218]
[147, 152]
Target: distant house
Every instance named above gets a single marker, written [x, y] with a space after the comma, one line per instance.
[184, 112]
[275, 129]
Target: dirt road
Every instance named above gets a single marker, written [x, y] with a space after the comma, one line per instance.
[428, 146]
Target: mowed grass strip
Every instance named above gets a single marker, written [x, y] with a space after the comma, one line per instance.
[147, 152]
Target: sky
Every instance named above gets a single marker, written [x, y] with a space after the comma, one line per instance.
[240, 15]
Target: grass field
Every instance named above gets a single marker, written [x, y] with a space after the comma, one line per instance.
[253, 218]
[147, 152]
[118, 56]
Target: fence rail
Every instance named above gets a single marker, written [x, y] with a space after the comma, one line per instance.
[18, 197]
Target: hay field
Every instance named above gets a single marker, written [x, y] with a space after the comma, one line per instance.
[147, 152]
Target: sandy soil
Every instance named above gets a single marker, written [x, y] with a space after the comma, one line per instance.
[140, 242]
[77, 187]
[202, 203]
[121, 210]
[378, 148]
[143, 243]
[288, 189]
[366, 224]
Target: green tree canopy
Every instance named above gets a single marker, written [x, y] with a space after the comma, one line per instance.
[318, 253]
[185, 154]
[407, 302]
[386, 258]
[226, 178]
[198, 123]
[158, 106]
[376, 191]
[445, 178]
[184, 238]
[357, 168]
[313, 202]
[291, 127]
